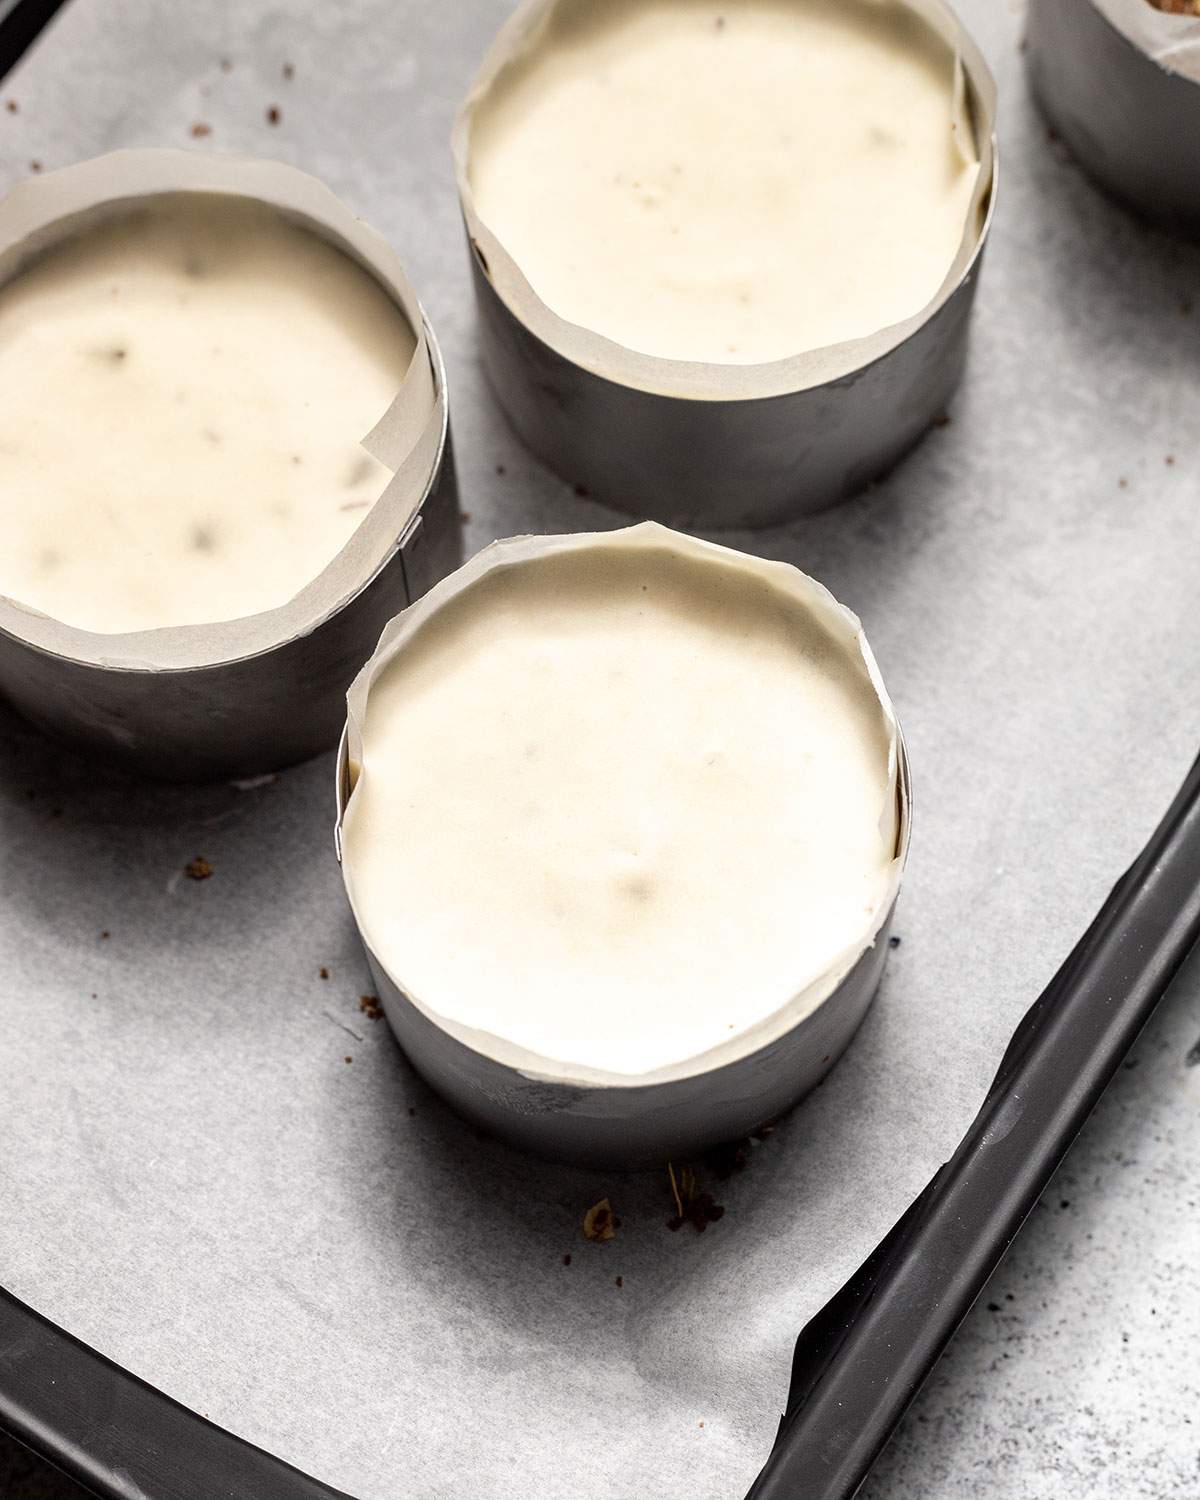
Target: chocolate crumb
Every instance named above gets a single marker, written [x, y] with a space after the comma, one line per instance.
[701, 1424]
[464, 515]
[347, 1059]
[11, 106]
[1064, 1203]
[566, 1260]
[289, 72]
[598, 1222]
[993, 1307]
[370, 1007]
[198, 869]
[1169, 460]
[411, 1110]
[943, 419]
[273, 115]
[200, 130]
[726, 1161]
[582, 491]
[35, 166]
[500, 469]
[893, 942]
[104, 936]
[322, 972]
[620, 1281]
[1123, 484]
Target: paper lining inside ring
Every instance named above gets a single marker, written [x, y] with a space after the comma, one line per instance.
[973, 109]
[40, 213]
[628, 807]
[1172, 40]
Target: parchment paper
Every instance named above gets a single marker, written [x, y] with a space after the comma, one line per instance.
[1170, 39]
[41, 210]
[193, 1179]
[696, 378]
[843, 629]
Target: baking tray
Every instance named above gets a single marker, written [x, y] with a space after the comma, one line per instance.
[195, 1183]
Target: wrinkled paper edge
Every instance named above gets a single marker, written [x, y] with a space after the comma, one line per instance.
[1170, 40]
[814, 599]
[975, 108]
[41, 211]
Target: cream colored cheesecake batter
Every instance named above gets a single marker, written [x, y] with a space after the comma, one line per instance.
[732, 182]
[619, 805]
[184, 393]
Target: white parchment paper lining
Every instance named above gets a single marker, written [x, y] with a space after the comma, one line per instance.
[975, 106]
[1173, 41]
[43, 210]
[809, 596]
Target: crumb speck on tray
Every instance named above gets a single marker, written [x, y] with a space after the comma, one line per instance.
[198, 869]
[273, 114]
[201, 129]
[322, 972]
[370, 1007]
[598, 1223]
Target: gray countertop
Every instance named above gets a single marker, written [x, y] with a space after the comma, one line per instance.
[315, 1252]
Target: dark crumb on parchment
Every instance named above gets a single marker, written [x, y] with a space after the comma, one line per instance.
[104, 936]
[1064, 1203]
[943, 419]
[893, 941]
[500, 469]
[1169, 460]
[582, 491]
[370, 1007]
[289, 72]
[347, 1059]
[411, 1110]
[727, 1161]
[1123, 484]
[322, 972]
[993, 1307]
[35, 166]
[620, 1282]
[691, 1205]
[700, 1212]
[12, 106]
[566, 1260]
[273, 114]
[200, 129]
[198, 869]
[464, 516]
